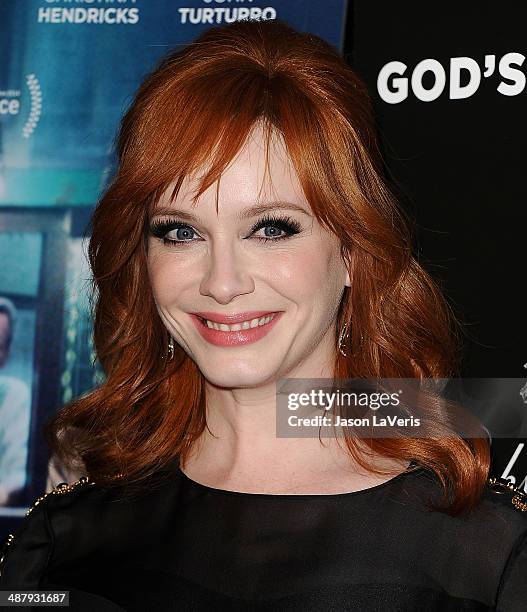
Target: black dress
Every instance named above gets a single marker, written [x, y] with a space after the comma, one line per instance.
[182, 546]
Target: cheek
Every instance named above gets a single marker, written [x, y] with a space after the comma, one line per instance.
[308, 275]
[165, 278]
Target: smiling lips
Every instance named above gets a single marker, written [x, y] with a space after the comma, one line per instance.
[234, 330]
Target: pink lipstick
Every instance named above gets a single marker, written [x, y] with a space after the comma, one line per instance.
[238, 337]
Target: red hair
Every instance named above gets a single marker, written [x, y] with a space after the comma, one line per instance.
[196, 109]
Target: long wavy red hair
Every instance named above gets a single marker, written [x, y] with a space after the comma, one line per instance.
[196, 110]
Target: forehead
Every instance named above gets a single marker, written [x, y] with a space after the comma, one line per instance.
[253, 175]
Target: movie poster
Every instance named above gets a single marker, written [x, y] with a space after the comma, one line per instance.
[69, 70]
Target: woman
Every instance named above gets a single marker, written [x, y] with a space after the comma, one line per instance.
[250, 192]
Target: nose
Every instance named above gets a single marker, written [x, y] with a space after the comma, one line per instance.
[227, 273]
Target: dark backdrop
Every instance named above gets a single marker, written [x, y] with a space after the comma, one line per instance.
[456, 154]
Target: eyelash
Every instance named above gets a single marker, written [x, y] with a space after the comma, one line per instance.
[159, 229]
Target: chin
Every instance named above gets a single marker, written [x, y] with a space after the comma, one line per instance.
[235, 375]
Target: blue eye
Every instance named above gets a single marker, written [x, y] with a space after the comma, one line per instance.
[183, 232]
[284, 224]
[160, 229]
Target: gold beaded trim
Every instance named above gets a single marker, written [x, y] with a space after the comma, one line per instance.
[62, 487]
[502, 485]
[10, 537]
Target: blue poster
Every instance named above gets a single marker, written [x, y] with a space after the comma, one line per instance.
[69, 70]
[70, 67]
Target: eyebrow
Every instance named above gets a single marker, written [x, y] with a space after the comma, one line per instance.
[246, 213]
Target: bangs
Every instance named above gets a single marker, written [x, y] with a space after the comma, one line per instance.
[194, 121]
[210, 161]
[194, 114]
[196, 132]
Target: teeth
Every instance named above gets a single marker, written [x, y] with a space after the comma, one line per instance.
[237, 326]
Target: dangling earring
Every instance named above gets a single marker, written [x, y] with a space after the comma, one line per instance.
[343, 337]
[170, 351]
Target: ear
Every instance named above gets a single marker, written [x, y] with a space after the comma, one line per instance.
[348, 281]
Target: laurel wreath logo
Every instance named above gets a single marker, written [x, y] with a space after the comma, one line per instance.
[36, 105]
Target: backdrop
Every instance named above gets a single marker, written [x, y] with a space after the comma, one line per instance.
[448, 85]
[68, 71]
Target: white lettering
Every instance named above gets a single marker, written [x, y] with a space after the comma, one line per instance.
[393, 86]
[513, 74]
[400, 85]
[9, 106]
[433, 66]
[458, 91]
[226, 15]
[89, 15]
